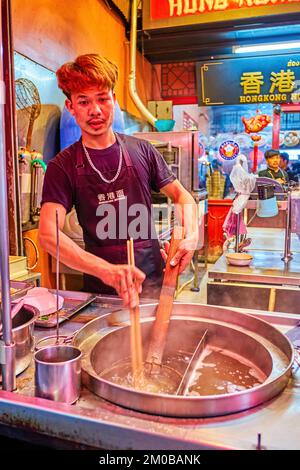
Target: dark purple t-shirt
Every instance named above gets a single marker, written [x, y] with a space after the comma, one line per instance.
[59, 182]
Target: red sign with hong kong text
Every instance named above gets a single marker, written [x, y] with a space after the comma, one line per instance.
[166, 9]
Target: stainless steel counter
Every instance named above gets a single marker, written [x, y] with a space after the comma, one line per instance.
[266, 267]
[93, 422]
[267, 284]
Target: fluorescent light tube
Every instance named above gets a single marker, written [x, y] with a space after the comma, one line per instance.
[266, 47]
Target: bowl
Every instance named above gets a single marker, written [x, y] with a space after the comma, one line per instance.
[164, 125]
[239, 259]
[43, 300]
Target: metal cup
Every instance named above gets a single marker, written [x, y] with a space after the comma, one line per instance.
[58, 373]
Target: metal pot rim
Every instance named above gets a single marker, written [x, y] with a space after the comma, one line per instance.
[60, 363]
[35, 313]
[194, 406]
[89, 369]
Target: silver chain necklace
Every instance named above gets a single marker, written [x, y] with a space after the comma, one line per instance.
[98, 171]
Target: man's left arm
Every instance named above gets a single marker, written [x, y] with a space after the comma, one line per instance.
[187, 213]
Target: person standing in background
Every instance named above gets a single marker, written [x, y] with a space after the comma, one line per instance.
[274, 171]
[284, 165]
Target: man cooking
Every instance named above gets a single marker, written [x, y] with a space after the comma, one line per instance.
[108, 177]
[274, 171]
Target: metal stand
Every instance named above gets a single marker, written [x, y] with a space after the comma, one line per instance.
[287, 256]
[7, 348]
[237, 233]
[205, 239]
[195, 287]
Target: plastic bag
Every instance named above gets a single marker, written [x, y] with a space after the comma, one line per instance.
[230, 225]
[243, 183]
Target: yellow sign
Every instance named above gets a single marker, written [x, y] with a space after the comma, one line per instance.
[281, 82]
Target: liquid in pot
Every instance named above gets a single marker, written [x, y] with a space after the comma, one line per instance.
[218, 372]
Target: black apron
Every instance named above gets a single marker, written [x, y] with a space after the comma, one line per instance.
[90, 192]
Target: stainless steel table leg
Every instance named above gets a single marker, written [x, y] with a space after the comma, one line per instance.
[237, 233]
[196, 287]
[287, 256]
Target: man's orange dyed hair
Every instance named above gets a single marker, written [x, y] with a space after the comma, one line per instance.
[86, 71]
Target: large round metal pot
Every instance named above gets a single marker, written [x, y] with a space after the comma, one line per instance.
[106, 340]
[23, 326]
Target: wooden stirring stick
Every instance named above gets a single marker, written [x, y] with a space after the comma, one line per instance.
[135, 326]
[160, 327]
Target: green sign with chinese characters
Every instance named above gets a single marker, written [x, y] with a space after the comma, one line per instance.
[273, 79]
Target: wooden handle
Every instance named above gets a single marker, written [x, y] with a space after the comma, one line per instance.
[165, 305]
[30, 129]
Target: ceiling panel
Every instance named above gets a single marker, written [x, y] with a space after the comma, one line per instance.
[202, 42]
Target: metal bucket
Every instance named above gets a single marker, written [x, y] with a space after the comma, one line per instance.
[23, 326]
[259, 343]
[58, 373]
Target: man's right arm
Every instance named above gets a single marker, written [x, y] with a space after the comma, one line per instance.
[120, 277]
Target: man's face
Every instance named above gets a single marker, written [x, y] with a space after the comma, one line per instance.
[273, 162]
[283, 163]
[93, 110]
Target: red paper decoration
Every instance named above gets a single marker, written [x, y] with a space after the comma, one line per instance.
[253, 125]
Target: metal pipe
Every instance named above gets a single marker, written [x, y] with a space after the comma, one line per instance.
[7, 346]
[132, 74]
[237, 233]
[195, 287]
[290, 254]
[57, 276]
[11, 144]
[287, 256]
